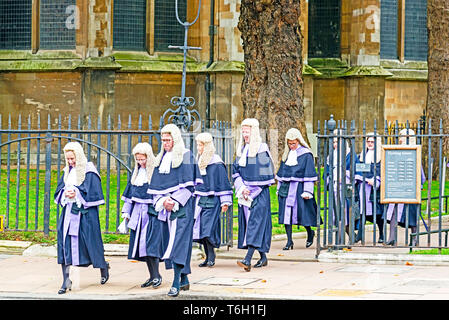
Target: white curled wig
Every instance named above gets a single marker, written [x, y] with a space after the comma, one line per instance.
[145, 149]
[81, 162]
[209, 149]
[293, 134]
[178, 145]
[255, 139]
[411, 136]
[378, 149]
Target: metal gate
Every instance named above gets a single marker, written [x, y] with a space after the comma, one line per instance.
[32, 161]
[344, 210]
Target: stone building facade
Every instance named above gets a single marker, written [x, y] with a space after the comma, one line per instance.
[101, 57]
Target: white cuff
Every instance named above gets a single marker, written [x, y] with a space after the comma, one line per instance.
[307, 195]
[176, 206]
[123, 227]
[160, 204]
[125, 215]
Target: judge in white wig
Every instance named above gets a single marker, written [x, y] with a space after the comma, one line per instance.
[295, 189]
[213, 198]
[172, 186]
[367, 182]
[396, 212]
[146, 242]
[79, 236]
[252, 172]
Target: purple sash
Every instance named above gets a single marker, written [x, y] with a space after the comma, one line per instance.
[71, 228]
[139, 223]
[291, 205]
[197, 218]
[391, 209]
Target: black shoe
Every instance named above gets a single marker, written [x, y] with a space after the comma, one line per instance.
[185, 287]
[173, 292]
[245, 265]
[288, 246]
[210, 264]
[203, 264]
[156, 282]
[66, 287]
[309, 241]
[147, 283]
[391, 243]
[105, 274]
[261, 263]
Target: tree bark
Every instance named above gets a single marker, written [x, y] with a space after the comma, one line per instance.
[438, 75]
[272, 88]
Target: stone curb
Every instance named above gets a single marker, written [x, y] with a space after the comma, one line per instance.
[384, 258]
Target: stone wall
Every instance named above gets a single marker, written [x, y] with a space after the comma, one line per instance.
[94, 79]
[405, 100]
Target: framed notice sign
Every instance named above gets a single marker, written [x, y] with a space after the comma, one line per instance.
[400, 174]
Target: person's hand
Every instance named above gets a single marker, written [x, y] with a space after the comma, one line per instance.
[370, 181]
[169, 204]
[246, 193]
[70, 194]
[224, 208]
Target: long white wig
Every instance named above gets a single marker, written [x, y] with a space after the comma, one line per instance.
[81, 162]
[255, 139]
[209, 149]
[293, 134]
[143, 148]
[377, 147]
[178, 145]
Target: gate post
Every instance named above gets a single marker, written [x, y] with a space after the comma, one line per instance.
[47, 187]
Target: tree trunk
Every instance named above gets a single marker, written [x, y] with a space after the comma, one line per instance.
[272, 88]
[438, 75]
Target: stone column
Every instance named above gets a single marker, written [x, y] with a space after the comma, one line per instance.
[99, 28]
[98, 70]
[365, 79]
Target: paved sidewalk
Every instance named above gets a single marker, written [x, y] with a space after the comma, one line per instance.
[295, 274]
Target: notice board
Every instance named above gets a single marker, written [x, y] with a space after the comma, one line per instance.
[400, 174]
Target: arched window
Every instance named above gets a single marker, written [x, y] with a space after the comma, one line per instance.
[57, 24]
[388, 29]
[324, 29]
[129, 25]
[415, 30]
[15, 24]
[167, 30]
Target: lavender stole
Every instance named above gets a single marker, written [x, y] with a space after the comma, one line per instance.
[197, 216]
[291, 204]
[71, 228]
[196, 225]
[139, 223]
